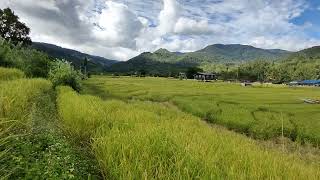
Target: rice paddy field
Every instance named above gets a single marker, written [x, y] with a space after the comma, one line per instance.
[259, 111]
[150, 140]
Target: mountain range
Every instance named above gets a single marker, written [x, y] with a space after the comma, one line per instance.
[159, 61]
[164, 62]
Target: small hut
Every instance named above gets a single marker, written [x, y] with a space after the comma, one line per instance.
[204, 76]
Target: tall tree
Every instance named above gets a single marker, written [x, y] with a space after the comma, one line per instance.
[12, 29]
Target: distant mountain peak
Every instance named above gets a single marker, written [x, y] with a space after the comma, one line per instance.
[162, 51]
[229, 46]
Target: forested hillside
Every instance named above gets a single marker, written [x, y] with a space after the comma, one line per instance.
[234, 53]
[95, 63]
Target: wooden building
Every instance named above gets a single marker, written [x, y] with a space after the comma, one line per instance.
[204, 76]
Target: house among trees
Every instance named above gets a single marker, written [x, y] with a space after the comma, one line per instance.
[205, 76]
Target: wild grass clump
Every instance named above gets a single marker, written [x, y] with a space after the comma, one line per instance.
[18, 96]
[10, 74]
[145, 140]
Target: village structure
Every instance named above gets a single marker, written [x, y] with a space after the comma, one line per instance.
[205, 76]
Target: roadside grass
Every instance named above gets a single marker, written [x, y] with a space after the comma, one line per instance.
[148, 140]
[32, 146]
[259, 112]
[10, 74]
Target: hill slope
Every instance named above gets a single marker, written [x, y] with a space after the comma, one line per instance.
[310, 53]
[96, 63]
[234, 53]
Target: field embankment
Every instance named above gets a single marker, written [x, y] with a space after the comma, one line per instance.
[32, 146]
[259, 112]
[147, 140]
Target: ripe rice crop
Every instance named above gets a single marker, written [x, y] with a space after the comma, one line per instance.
[148, 140]
[258, 112]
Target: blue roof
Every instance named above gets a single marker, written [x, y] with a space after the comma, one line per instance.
[310, 82]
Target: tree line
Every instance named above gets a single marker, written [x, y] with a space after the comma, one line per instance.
[292, 69]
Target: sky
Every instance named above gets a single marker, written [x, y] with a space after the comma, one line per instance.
[122, 29]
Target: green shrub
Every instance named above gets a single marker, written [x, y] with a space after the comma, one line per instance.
[33, 63]
[63, 73]
[10, 74]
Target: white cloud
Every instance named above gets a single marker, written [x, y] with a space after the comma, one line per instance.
[118, 26]
[168, 16]
[117, 53]
[176, 44]
[172, 21]
[121, 29]
[189, 26]
[283, 42]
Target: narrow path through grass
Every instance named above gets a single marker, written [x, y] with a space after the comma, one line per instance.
[44, 152]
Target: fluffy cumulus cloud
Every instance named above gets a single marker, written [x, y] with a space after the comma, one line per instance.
[121, 29]
[117, 26]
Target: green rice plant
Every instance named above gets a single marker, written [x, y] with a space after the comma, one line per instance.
[80, 115]
[148, 140]
[10, 74]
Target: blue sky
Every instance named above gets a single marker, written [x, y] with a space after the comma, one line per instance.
[121, 29]
[310, 15]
